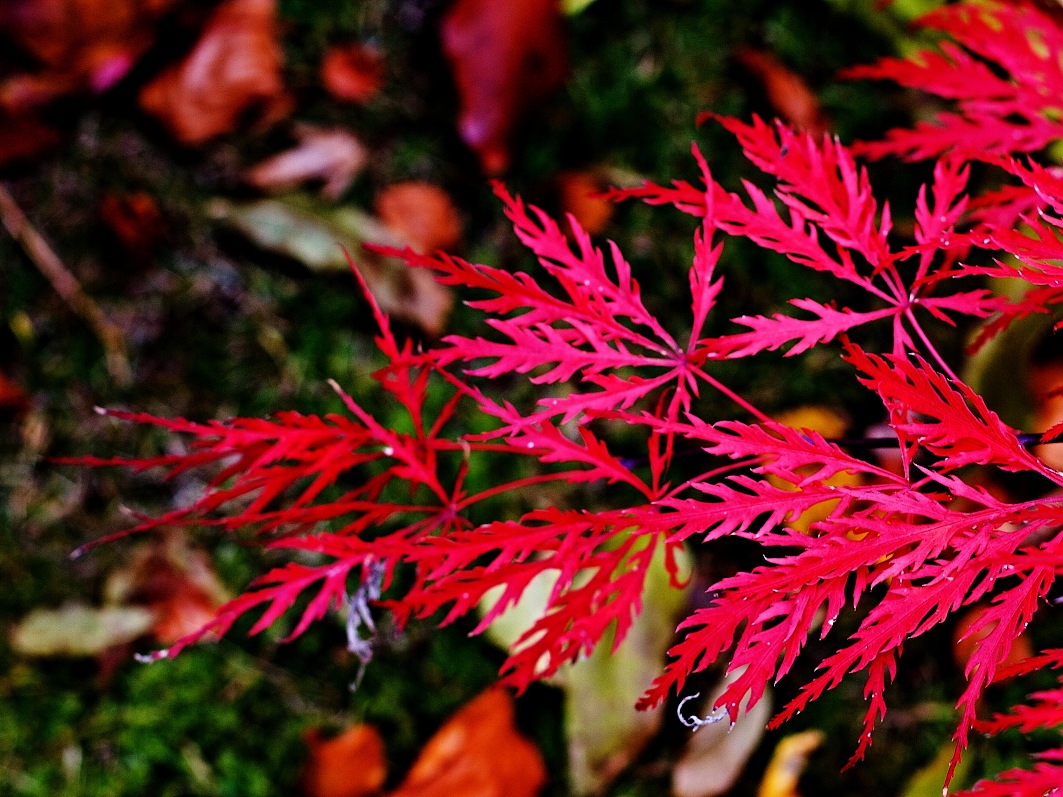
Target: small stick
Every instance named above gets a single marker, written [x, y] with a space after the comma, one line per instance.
[67, 286]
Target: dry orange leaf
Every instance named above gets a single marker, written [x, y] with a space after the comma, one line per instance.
[23, 137]
[175, 581]
[14, 400]
[506, 58]
[331, 155]
[477, 753]
[353, 72]
[787, 763]
[579, 194]
[349, 765]
[88, 42]
[136, 223]
[787, 92]
[420, 213]
[234, 67]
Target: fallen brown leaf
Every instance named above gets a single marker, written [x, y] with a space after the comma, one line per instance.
[351, 764]
[175, 581]
[79, 630]
[420, 213]
[168, 590]
[316, 235]
[506, 58]
[24, 137]
[136, 223]
[787, 763]
[235, 67]
[579, 195]
[25, 93]
[714, 757]
[83, 43]
[353, 72]
[330, 155]
[477, 753]
[14, 400]
[787, 92]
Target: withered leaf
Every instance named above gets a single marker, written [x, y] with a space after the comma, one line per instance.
[1046, 390]
[506, 58]
[332, 155]
[316, 235]
[234, 67]
[786, 91]
[353, 72]
[477, 753]
[90, 43]
[136, 222]
[715, 756]
[420, 213]
[79, 630]
[175, 581]
[14, 400]
[351, 764]
[579, 195]
[788, 762]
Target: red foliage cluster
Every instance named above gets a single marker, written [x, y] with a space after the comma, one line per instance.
[910, 549]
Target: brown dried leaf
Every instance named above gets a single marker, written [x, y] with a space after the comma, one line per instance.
[83, 43]
[715, 756]
[353, 72]
[24, 93]
[477, 753]
[172, 579]
[136, 222]
[235, 67]
[331, 155]
[506, 58]
[79, 630]
[787, 92]
[580, 195]
[349, 765]
[420, 213]
[787, 763]
[14, 400]
[316, 235]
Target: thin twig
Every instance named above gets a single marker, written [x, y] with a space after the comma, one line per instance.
[66, 285]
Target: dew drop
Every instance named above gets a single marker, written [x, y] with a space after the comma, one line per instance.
[388, 451]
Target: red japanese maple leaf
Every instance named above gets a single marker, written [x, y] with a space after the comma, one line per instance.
[906, 550]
